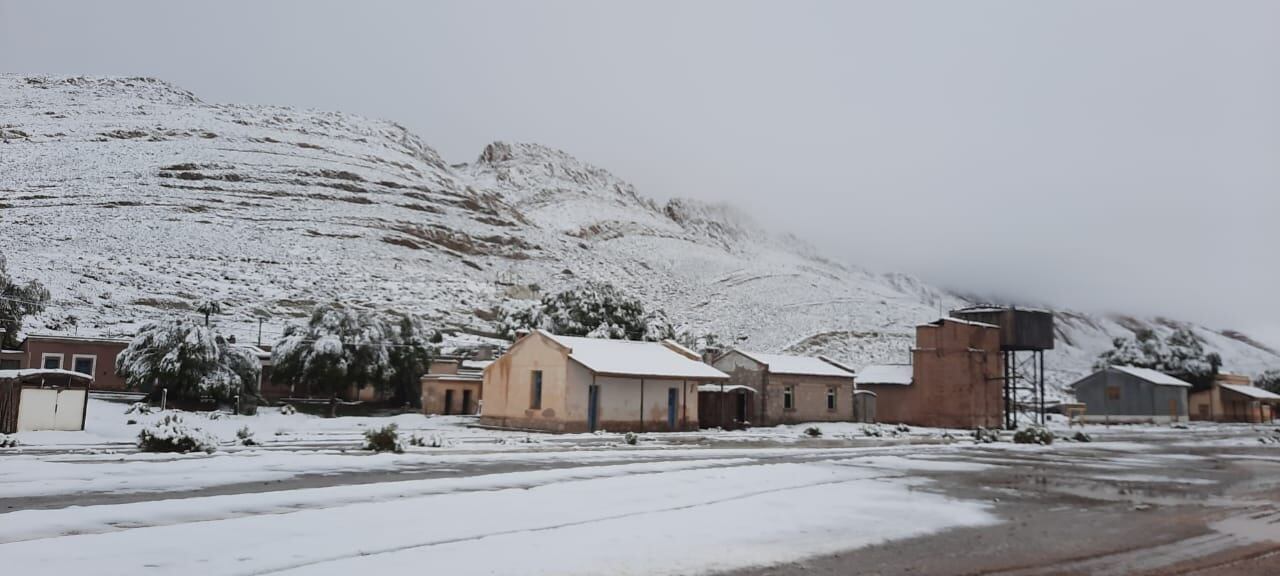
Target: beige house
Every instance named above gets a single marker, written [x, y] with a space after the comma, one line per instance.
[772, 389]
[453, 386]
[1233, 398]
[571, 384]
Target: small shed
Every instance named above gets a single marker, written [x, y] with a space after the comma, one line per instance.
[1122, 394]
[453, 386]
[40, 399]
[1233, 398]
[886, 388]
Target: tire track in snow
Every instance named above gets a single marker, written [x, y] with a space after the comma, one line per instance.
[563, 525]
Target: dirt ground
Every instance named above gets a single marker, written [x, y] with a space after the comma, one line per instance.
[1213, 511]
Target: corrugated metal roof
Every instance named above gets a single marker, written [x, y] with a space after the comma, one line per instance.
[631, 358]
[797, 365]
[1251, 391]
[886, 374]
[1153, 376]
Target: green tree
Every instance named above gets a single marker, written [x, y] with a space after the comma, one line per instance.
[189, 360]
[1269, 380]
[410, 353]
[339, 347]
[208, 308]
[17, 301]
[593, 309]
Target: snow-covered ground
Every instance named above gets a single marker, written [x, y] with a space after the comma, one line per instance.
[496, 502]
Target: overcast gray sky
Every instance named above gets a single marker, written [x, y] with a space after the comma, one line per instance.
[1103, 155]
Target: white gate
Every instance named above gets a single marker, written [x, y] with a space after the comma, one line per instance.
[51, 409]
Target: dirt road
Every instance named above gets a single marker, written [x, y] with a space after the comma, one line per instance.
[1198, 510]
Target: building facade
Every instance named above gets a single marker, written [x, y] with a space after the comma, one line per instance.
[453, 386]
[892, 386]
[1233, 398]
[93, 356]
[1124, 394]
[773, 389]
[569, 384]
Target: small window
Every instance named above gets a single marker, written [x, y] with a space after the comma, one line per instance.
[831, 398]
[789, 398]
[1113, 392]
[10, 364]
[51, 361]
[535, 392]
[84, 364]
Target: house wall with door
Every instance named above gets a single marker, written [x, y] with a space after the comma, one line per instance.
[786, 398]
[1232, 398]
[1112, 395]
[509, 383]
[624, 402]
[892, 401]
[743, 371]
[95, 356]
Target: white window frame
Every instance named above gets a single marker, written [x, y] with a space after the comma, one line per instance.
[789, 397]
[833, 398]
[45, 355]
[93, 369]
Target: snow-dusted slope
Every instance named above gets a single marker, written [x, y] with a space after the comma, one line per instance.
[132, 199]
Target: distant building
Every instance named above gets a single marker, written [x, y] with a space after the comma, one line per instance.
[772, 389]
[1233, 398]
[891, 384]
[955, 378]
[569, 384]
[1128, 394]
[453, 386]
[86, 355]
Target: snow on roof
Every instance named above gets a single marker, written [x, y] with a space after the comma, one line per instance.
[1251, 391]
[25, 372]
[1153, 376]
[78, 338]
[886, 374]
[475, 364]
[797, 365]
[939, 322]
[724, 388]
[631, 358]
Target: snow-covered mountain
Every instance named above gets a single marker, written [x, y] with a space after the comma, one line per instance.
[131, 199]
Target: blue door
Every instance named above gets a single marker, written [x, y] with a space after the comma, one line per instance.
[593, 407]
[673, 397]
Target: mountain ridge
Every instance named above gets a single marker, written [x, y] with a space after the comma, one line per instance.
[131, 198]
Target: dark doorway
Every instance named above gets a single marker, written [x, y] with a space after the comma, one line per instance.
[466, 402]
[673, 399]
[741, 407]
[448, 402]
[593, 407]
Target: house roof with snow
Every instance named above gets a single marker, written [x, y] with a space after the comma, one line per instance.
[632, 358]
[1251, 391]
[30, 373]
[900, 374]
[1153, 376]
[798, 365]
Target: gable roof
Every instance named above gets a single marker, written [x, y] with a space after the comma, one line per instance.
[631, 358]
[901, 374]
[1153, 376]
[797, 365]
[1251, 391]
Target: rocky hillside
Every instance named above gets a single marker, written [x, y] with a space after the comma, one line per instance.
[131, 199]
